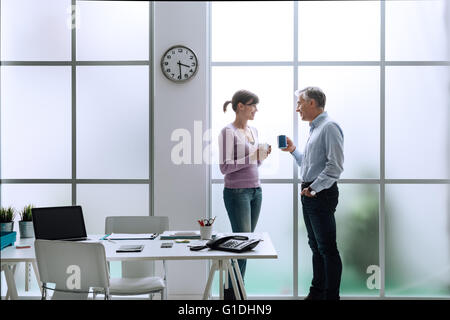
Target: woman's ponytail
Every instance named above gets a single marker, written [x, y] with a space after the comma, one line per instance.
[225, 106]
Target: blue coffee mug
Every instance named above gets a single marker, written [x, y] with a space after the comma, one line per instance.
[282, 142]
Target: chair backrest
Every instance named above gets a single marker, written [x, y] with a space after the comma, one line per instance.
[137, 224]
[72, 266]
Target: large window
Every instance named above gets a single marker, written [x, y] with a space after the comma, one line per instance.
[76, 108]
[383, 66]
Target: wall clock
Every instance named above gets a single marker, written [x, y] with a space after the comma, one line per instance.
[179, 63]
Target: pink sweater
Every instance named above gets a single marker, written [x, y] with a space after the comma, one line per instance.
[238, 161]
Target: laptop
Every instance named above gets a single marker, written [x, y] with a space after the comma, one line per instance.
[59, 223]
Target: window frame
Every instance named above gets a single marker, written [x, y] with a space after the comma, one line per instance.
[381, 182]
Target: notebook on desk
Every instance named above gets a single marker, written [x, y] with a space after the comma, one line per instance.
[59, 223]
[130, 248]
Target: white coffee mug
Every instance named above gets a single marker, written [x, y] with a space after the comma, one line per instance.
[263, 150]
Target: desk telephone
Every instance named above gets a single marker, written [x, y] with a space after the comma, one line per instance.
[230, 243]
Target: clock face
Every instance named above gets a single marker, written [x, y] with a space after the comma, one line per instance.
[179, 63]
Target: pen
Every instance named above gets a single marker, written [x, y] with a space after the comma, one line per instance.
[22, 247]
[106, 236]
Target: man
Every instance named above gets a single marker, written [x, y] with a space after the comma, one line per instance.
[321, 164]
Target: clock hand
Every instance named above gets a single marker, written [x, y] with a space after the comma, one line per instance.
[184, 65]
[179, 66]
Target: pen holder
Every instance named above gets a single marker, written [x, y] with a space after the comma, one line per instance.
[205, 232]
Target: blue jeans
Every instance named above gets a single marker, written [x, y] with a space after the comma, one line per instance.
[318, 213]
[243, 206]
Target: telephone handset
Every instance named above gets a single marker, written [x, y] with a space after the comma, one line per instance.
[230, 243]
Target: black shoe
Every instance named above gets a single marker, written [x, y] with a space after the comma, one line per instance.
[228, 294]
[312, 297]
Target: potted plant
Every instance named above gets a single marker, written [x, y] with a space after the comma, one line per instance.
[26, 222]
[7, 219]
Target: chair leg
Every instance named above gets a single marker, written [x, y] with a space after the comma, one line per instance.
[107, 295]
[44, 294]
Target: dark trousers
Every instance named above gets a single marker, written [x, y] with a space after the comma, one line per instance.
[318, 214]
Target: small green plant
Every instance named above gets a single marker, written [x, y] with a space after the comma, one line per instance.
[7, 214]
[25, 214]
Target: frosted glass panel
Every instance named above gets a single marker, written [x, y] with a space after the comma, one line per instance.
[339, 30]
[36, 30]
[356, 219]
[276, 219]
[113, 30]
[274, 116]
[356, 110]
[252, 31]
[40, 195]
[417, 241]
[103, 200]
[415, 30]
[416, 122]
[113, 122]
[35, 122]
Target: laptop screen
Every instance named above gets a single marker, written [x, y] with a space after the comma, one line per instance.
[57, 223]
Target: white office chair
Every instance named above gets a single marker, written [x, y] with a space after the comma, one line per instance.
[137, 276]
[74, 268]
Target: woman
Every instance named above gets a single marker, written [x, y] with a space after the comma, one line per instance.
[240, 156]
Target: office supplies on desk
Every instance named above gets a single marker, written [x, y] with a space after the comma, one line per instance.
[236, 244]
[206, 222]
[206, 232]
[173, 235]
[23, 247]
[130, 248]
[59, 223]
[130, 236]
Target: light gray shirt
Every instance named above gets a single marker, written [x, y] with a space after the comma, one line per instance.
[323, 158]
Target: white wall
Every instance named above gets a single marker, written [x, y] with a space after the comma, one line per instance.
[181, 191]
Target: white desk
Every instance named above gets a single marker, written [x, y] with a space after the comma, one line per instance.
[221, 261]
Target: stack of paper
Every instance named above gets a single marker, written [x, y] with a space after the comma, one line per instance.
[131, 236]
[171, 235]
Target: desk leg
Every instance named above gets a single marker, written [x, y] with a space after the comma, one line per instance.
[233, 280]
[9, 276]
[240, 280]
[36, 273]
[221, 269]
[27, 276]
[214, 267]
[165, 281]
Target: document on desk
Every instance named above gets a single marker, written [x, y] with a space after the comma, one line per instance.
[131, 236]
[172, 235]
